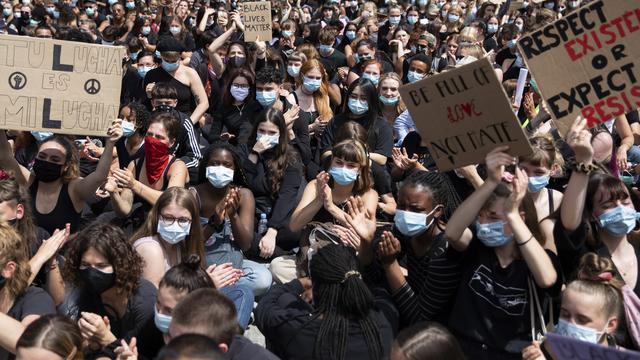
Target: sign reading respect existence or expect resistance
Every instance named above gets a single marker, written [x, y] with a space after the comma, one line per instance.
[58, 86]
[256, 16]
[586, 63]
[463, 114]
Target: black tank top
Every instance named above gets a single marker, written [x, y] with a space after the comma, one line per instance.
[64, 212]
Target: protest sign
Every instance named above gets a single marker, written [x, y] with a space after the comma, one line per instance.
[584, 63]
[257, 20]
[463, 114]
[567, 348]
[58, 86]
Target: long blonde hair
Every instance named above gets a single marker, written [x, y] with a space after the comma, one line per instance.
[11, 249]
[320, 97]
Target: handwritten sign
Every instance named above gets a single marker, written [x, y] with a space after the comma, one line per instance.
[585, 63]
[58, 86]
[463, 114]
[257, 20]
[566, 348]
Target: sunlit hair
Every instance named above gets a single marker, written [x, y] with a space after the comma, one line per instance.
[181, 197]
[11, 191]
[354, 151]
[11, 250]
[55, 333]
[400, 106]
[309, 51]
[320, 97]
[545, 152]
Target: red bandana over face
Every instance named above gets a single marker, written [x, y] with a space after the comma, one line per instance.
[156, 158]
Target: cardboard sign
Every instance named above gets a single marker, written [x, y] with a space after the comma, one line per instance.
[257, 20]
[567, 348]
[463, 114]
[585, 63]
[58, 86]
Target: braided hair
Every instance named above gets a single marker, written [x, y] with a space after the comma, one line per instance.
[341, 297]
[440, 188]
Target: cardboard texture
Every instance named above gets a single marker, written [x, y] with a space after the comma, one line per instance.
[463, 114]
[586, 63]
[58, 86]
[566, 348]
[257, 20]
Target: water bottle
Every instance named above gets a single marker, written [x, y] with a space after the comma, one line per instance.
[262, 224]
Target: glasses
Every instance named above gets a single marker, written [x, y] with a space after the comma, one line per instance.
[241, 86]
[169, 220]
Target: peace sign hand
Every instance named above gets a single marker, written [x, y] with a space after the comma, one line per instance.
[115, 131]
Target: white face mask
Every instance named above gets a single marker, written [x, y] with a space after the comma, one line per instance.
[219, 176]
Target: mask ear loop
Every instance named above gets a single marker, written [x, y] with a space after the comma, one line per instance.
[433, 218]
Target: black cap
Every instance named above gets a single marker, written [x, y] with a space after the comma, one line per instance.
[169, 43]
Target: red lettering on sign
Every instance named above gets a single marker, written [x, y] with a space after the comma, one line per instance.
[462, 111]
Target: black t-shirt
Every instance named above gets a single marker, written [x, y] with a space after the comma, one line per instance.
[186, 101]
[331, 63]
[380, 140]
[34, 301]
[242, 348]
[503, 55]
[492, 304]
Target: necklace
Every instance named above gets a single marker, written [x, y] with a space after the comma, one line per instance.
[240, 108]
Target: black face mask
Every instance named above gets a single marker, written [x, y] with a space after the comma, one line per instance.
[237, 61]
[47, 171]
[96, 280]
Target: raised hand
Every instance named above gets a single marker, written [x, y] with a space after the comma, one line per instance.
[519, 189]
[127, 351]
[348, 236]
[579, 138]
[496, 160]
[115, 131]
[388, 248]
[223, 275]
[124, 178]
[360, 219]
[232, 202]
[401, 159]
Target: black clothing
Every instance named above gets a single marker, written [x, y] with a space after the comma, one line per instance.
[235, 120]
[64, 212]
[380, 139]
[186, 100]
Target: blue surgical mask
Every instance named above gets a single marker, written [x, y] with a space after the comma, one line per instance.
[577, 332]
[175, 30]
[50, 10]
[413, 223]
[239, 93]
[162, 321]
[293, 71]
[422, 2]
[453, 18]
[512, 43]
[412, 19]
[219, 176]
[286, 33]
[492, 234]
[33, 23]
[146, 30]
[325, 50]
[128, 128]
[111, 2]
[549, 5]
[492, 28]
[271, 140]
[373, 78]
[413, 76]
[394, 20]
[357, 107]
[130, 5]
[133, 56]
[388, 101]
[350, 34]
[619, 221]
[89, 11]
[41, 135]
[173, 233]
[537, 183]
[143, 70]
[343, 176]
[169, 66]
[311, 85]
[266, 98]
[6, 12]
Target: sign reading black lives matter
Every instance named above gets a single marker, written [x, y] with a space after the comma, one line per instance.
[585, 63]
[58, 86]
[256, 16]
[463, 114]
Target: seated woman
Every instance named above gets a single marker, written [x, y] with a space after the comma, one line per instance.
[57, 192]
[343, 323]
[227, 208]
[274, 175]
[146, 178]
[104, 279]
[187, 277]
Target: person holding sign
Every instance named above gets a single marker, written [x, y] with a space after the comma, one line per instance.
[57, 191]
[506, 255]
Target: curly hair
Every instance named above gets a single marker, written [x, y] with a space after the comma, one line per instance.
[11, 249]
[111, 242]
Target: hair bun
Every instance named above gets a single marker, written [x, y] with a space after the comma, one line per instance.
[600, 269]
[192, 262]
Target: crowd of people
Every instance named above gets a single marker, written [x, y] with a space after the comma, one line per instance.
[281, 183]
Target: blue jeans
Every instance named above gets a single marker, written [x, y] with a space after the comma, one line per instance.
[242, 298]
[633, 155]
[255, 276]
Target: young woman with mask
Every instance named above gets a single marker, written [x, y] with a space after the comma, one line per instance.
[274, 174]
[134, 128]
[57, 192]
[371, 70]
[192, 98]
[426, 200]
[189, 276]
[237, 111]
[591, 309]
[363, 107]
[105, 291]
[597, 214]
[146, 178]
[294, 65]
[227, 209]
[508, 254]
[390, 102]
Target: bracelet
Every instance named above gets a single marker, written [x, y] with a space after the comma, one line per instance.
[584, 168]
[524, 243]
